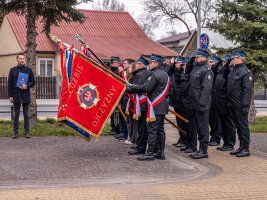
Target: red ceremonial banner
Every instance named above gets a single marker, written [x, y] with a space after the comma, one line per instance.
[93, 95]
[66, 57]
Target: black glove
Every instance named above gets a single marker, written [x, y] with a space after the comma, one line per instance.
[132, 88]
[128, 89]
[244, 110]
[192, 59]
[226, 65]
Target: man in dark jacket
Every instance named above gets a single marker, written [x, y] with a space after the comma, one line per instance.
[176, 71]
[20, 80]
[200, 84]
[186, 110]
[214, 120]
[220, 101]
[156, 87]
[115, 117]
[239, 92]
[140, 75]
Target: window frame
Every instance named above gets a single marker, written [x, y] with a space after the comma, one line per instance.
[39, 66]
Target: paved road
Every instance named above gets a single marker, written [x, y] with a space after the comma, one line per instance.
[70, 168]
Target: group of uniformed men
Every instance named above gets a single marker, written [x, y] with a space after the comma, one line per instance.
[213, 93]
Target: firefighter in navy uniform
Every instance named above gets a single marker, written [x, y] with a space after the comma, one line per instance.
[140, 75]
[239, 92]
[156, 87]
[186, 111]
[200, 84]
[226, 121]
[115, 117]
[214, 119]
[176, 71]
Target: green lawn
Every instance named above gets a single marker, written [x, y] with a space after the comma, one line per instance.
[48, 127]
[260, 126]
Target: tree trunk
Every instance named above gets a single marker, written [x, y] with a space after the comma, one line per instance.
[31, 53]
[252, 110]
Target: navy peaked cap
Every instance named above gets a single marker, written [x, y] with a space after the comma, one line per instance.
[114, 59]
[158, 58]
[214, 58]
[180, 59]
[227, 57]
[238, 53]
[143, 60]
[202, 52]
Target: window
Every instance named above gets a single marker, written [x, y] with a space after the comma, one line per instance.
[46, 67]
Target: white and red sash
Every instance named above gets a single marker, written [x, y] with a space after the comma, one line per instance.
[124, 75]
[150, 105]
[137, 100]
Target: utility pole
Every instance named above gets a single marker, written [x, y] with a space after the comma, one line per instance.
[198, 22]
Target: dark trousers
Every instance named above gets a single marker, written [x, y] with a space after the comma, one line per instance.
[215, 125]
[156, 133]
[190, 129]
[183, 139]
[201, 122]
[25, 107]
[142, 133]
[132, 128]
[241, 124]
[123, 125]
[114, 121]
[228, 129]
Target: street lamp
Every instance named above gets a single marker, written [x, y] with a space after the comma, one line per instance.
[198, 22]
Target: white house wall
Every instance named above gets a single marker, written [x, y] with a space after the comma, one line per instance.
[9, 47]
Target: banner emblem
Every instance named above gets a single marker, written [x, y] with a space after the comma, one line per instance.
[88, 96]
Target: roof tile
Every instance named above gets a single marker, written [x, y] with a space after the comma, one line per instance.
[107, 33]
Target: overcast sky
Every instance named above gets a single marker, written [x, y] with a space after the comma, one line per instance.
[136, 8]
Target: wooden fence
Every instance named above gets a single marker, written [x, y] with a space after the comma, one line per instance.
[45, 87]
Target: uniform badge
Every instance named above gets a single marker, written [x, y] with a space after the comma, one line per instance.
[209, 77]
[87, 96]
[250, 78]
[149, 78]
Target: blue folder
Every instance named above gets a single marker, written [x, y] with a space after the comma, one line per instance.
[22, 79]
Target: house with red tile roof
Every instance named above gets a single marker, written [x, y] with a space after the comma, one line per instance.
[107, 33]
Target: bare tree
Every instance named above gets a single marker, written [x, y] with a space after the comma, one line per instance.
[148, 23]
[113, 5]
[180, 10]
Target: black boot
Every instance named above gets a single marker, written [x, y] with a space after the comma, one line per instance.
[27, 135]
[135, 152]
[244, 151]
[15, 135]
[148, 156]
[201, 153]
[238, 150]
[160, 155]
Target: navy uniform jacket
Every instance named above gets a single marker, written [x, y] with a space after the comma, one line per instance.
[239, 87]
[125, 97]
[175, 91]
[19, 95]
[139, 77]
[154, 86]
[200, 85]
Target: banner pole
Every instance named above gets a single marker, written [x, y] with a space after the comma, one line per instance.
[179, 116]
[79, 38]
[175, 125]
